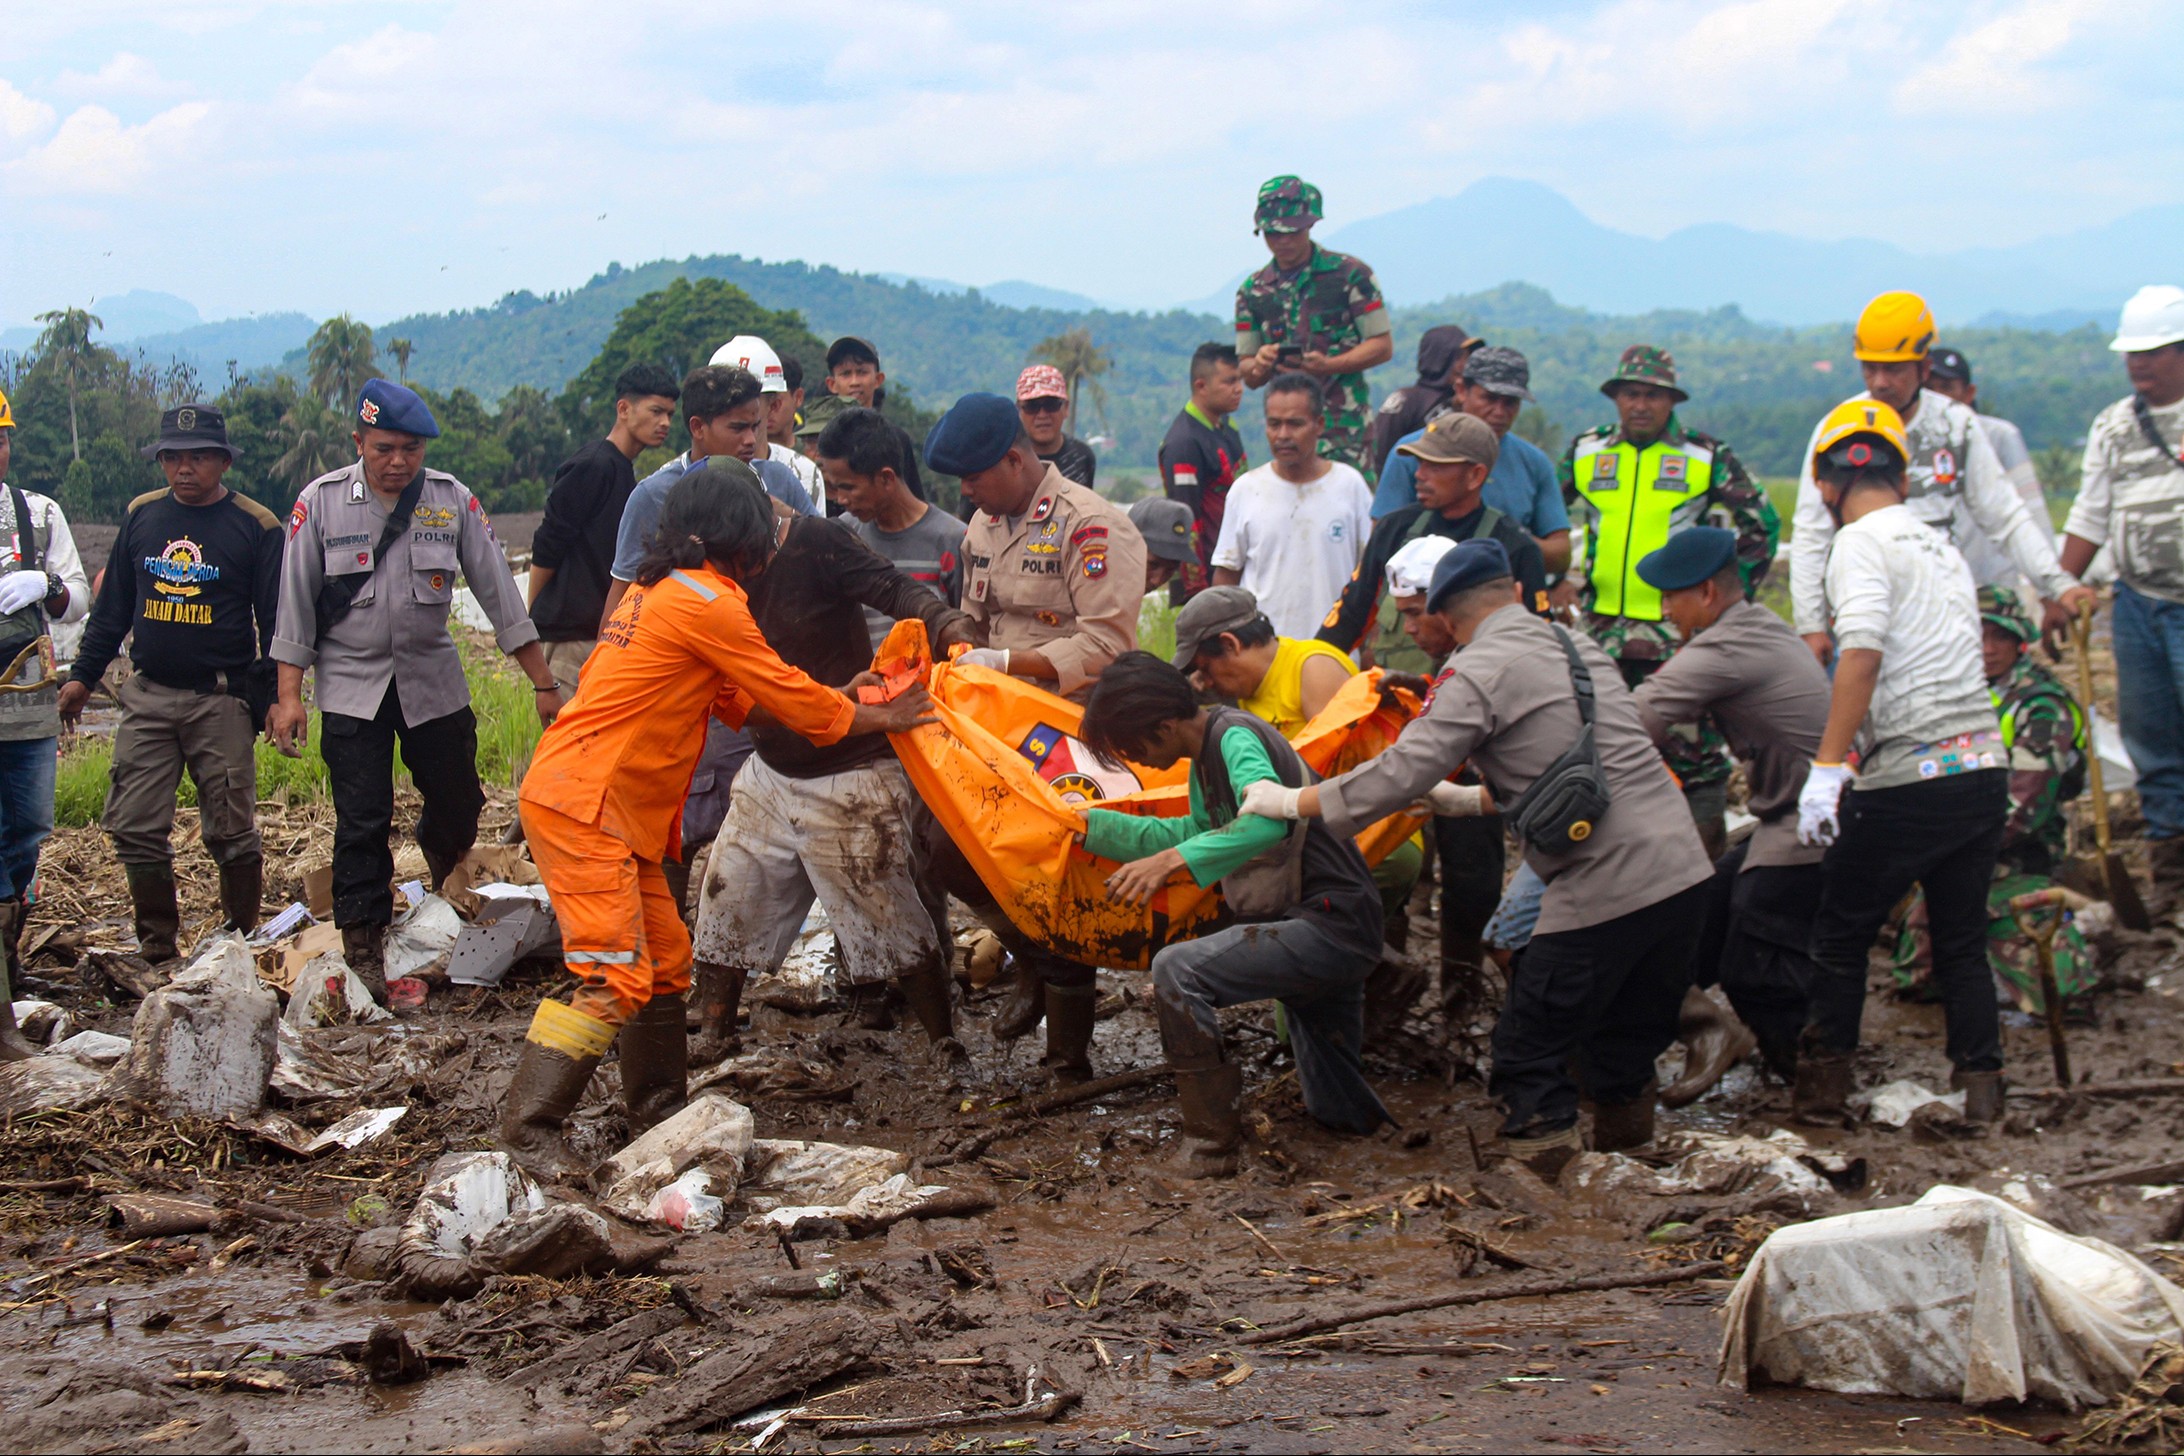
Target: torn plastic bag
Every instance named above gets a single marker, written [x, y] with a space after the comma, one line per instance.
[713, 1132]
[1958, 1296]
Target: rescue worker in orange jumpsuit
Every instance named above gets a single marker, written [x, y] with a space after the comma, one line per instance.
[602, 800]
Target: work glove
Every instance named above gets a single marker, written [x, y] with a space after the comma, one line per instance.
[1818, 817]
[1269, 800]
[20, 589]
[1455, 801]
[996, 658]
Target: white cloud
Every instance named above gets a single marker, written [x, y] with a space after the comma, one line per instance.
[1995, 68]
[22, 118]
[95, 153]
[126, 77]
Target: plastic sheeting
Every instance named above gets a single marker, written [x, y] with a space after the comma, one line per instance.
[1956, 1297]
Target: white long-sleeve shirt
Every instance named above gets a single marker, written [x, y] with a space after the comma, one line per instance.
[1955, 484]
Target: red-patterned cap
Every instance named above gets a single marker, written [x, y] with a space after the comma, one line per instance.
[1041, 381]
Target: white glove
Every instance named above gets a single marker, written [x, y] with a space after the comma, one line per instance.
[1818, 821]
[1455, 801]
[996, 658]
[1269, 800]
[20, 589]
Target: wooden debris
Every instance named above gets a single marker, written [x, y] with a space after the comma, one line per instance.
[152, 1215]
[1531, 1289]
[758, 1372]
[853, 1428]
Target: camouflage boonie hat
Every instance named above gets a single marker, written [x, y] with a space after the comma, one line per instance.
[2000, 608]
[1287, 204]
[1644, 364]
[820, 412]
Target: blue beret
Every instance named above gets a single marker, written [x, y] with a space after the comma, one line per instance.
[385, 405]
[1470, 563]
[973, 436]
[1690, 557]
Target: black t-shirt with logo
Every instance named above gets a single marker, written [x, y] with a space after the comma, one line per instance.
[196, 585]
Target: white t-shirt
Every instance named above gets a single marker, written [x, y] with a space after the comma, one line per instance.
[1296, 545]
[1896, 585]
[807, 471]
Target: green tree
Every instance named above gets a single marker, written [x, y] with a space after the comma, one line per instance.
[313, 438]
[342, 359]
[533, 430]
[1081, 361]
[100, 484]
[401, 350]
[254, 412]
[66, 343]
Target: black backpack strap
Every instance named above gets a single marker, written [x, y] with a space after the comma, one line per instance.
[26, 531]
[1580, 677]
[2144, 414]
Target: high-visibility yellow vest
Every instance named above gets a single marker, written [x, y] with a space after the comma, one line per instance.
[1637, 493]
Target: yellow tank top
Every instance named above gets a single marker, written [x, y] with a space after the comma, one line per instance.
[1280, 698]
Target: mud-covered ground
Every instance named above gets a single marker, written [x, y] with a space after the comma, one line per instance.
[1135, 1294]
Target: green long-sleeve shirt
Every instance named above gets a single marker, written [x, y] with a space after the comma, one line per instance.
[1210, 851]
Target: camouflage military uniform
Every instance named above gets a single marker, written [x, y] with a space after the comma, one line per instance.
[1330, 305]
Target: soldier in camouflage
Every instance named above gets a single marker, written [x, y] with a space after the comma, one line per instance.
[1630, 486]
[2045, 732]
[1316, 311]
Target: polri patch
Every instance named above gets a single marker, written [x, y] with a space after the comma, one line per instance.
[1603, 467]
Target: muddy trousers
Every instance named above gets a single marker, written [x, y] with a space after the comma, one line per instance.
[442, 757]
[1756, 945]
[1320, 981]
[621, 934]
[1942, 834]
[163, 731]
[1608, 995]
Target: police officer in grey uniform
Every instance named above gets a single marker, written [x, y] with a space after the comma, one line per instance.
[375, 552]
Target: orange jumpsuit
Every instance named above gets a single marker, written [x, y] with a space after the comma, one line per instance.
[603, 798]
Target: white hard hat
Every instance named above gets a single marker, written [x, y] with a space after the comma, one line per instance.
[749, 351]
[2153, 317]
[1410, 570]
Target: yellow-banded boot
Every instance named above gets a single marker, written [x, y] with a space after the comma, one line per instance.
[14, 1046]
[655, 1056]
[561, 1051]
[1069, 1019]
[242, 892]
[719, 998]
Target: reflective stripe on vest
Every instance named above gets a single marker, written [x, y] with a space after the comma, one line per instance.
[2008, 717]
[1637, 494]
[695, 585]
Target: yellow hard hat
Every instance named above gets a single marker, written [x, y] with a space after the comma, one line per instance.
[1894, 327]
[7, 415]
[1861, 417]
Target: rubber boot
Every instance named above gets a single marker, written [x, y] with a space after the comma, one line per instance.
[1069, 1033]
[868, 1008]
[242, 891]
[560, 1054]
[720, 998]
[655, 1055]
[1463, 980]
[1392, 988]
[1623, 1126]
[1983, 1092]
[364, 947]
[1714, 1041]
[158, 920]
[1546, 1154]
[1025, 1005]
[1825, 1081]
[931, 999]
[1213, 1121]
[677, 874]
[437, 868]
[14, 1046]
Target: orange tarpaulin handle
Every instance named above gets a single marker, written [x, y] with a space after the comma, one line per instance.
[1002, 772]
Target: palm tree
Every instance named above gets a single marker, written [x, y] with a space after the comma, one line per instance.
[67, 342]
[1081, 361]
[311, 436]
[341, 360]
[400, 349]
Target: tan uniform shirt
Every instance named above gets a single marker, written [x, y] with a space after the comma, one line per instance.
[1507, 706]
[1066, 578]
[1765, 688]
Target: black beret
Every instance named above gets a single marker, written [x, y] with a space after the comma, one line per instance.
[973, 436]
[1470, 563]
[1690, 557]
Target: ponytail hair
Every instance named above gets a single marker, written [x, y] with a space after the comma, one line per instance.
[718, 510]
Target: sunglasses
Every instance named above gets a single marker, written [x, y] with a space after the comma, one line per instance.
[1045, 405]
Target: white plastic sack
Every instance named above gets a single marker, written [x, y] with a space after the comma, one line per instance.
[421, 937]
[204, 1042]
[712, 1132]
[1956, 1297]
[686, 1205]
[328, 993]
[784, 1172]
[1892, 1105]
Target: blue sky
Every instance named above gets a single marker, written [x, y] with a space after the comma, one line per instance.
[382, 158]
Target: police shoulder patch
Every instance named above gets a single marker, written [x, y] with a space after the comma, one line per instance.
[1043, 509]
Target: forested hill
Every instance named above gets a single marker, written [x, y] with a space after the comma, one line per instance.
[1759, 386]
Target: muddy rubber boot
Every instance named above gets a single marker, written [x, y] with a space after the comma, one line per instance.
[1825, 1081]
[1213, 1121]
[719, 998]
[1714, 1041]
[655, 1053]
[1983, 1093]
[364, 947]
[868, 1008]
[1069, 1021]
[14, 1046]
[158, 920]
[560, 1052]
[930, 995]
[1624, 1126]
[1392, 988]
[1025, 1006]
[1463, 980]
[437, 868]
[1546, 1154]
[242, 891]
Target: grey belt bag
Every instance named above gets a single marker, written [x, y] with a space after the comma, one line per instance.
[1564, 804]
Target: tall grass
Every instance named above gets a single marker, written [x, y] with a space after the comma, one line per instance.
[1156, 625]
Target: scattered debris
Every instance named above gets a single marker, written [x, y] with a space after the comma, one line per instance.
[421, 939]
[204, 1042]
[870, 1210]
[784, 1172]
[1772, 1171]
[712, 1133]
[1894, 1104]
[686, 1204]
[481, 1215]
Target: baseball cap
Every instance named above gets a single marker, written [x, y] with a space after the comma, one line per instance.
[1206, 616]
[1041, 381]
[1410, 570]
[1455, 438]
[1166, 526]
[1950, 364]
[1499, 371]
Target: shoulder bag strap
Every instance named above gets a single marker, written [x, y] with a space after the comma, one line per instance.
[26, 531]
[2144, 414]
[1580, 678]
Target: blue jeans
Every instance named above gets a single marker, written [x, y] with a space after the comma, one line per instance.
[2149, 639]
[27, 767]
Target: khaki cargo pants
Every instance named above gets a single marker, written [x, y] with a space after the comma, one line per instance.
[164, 730]
[565, 660]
